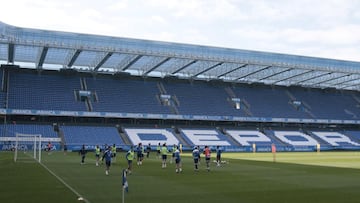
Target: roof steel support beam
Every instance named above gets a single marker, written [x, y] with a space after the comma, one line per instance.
[351, 85]
[293, 76]
[233, 70]
[207, 69]
[185, 66]
[11, 52]
[278, 73]
[103, 60]
[335, 78]
[252, 73]
[131, 62]
[346, 81]
[157, 65]
[307, 79]
[41, 58]
[74, 57]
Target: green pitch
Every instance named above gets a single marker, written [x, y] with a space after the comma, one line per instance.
[247, 177]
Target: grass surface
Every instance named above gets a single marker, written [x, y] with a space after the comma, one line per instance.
[249, 178]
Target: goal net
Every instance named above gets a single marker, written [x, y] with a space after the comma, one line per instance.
[27, 147]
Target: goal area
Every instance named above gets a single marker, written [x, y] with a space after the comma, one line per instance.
[27, 147]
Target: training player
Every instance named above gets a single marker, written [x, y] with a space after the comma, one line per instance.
[97, 154]
[178, 160]
[164, 152]
[148, 150]
[140, 154]
[218, 156]
[158, 150]
[130, 155]
[199, 154]
[49, 148]
[82, 152]
[107, 156]
[113, 152]
[173, 149]
[207, 153]
[196, 155]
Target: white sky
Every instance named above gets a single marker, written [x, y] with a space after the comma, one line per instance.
[329, 29]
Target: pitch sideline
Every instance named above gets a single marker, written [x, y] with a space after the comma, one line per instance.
[63, 182]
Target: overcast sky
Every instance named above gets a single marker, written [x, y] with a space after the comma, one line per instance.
[320, 28]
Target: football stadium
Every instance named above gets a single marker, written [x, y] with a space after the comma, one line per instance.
[287, 126]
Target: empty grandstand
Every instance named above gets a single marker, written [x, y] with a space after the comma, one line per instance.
[98, 90]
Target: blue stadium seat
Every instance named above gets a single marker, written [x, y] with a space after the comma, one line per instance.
[44, 92]
[202, 99]
[91, 135]
[10, 130]
[126, 96]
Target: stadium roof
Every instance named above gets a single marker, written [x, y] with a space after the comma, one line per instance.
[43, 49]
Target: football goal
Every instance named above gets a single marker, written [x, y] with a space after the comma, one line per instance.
[27, 147]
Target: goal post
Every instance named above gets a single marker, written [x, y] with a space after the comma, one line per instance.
[28, 144]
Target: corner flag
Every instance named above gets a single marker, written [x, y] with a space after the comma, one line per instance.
[124, 181]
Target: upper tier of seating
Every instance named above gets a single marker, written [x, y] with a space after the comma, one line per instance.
[202, 99]
[43, 92]
[129, 96]
[329, 104]
[57, 92]
[268, 102]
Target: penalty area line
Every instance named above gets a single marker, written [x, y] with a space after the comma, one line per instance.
[63, 182]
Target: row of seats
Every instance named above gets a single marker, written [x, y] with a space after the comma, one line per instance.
[125, 96]
[43, 92]
[91, 135]
[10, 130]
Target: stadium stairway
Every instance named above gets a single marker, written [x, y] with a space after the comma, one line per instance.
[270, 134]
[353, 135]
[180, 138]
[123, 136]
[244, 106]
[173, 100]
[320, 141]
[61, 136]
[230, 138]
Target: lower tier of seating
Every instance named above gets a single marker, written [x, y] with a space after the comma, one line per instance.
[231, 139]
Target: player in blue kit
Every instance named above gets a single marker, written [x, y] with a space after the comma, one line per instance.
[82, 153]
[173, 149]
[196, 157]
[107, 156]
[177, 160]
[218, 155]
[140, 154]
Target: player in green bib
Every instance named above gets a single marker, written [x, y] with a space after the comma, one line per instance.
[173, 153]
[113, 152]
[130, 155]
[164, 151]
[97, 154]
[158, 150]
